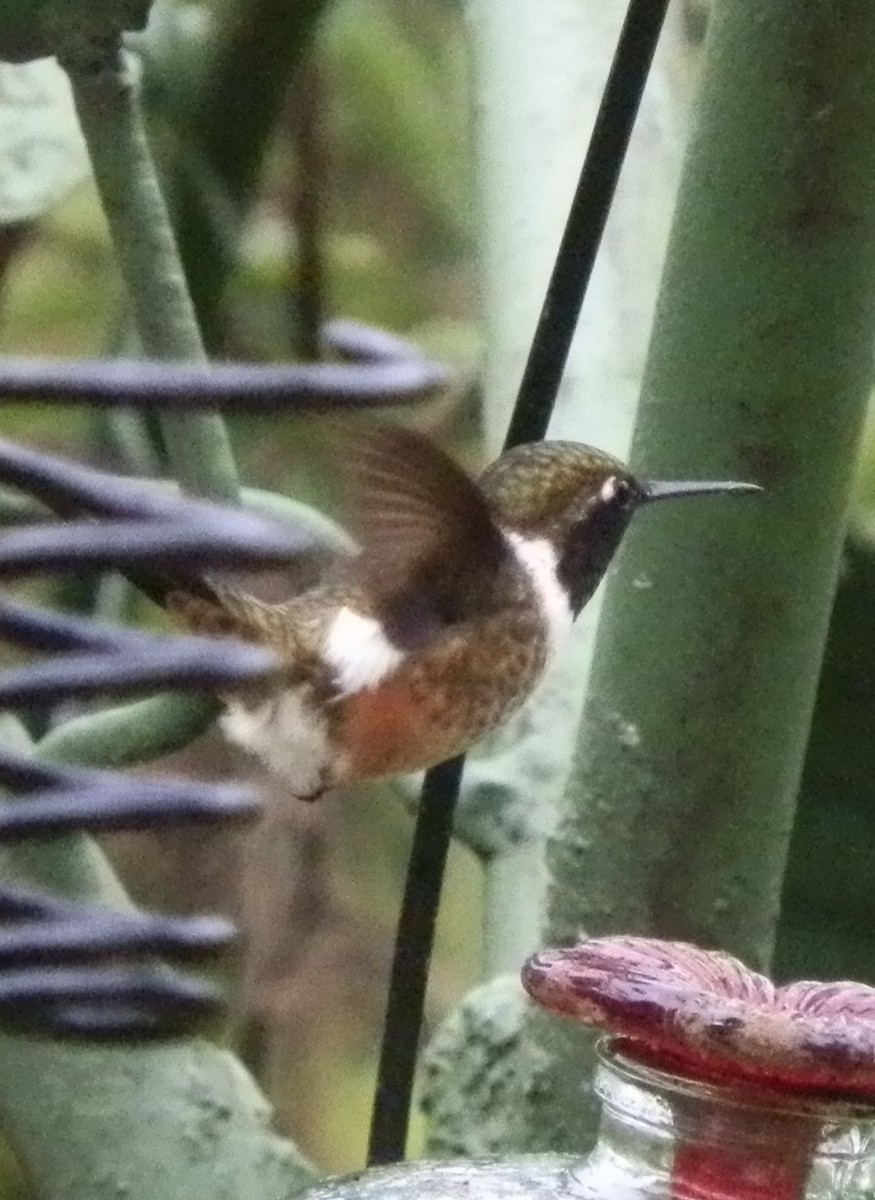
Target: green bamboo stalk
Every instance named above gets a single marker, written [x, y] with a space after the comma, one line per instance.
[539, 72]
[108, 105]
[680, 804]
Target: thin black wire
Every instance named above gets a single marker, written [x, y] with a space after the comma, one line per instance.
[413, 945]
[534, 405]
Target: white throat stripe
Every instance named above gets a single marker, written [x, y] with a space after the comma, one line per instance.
[539, 558]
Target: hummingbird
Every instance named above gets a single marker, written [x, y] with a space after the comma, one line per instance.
[439, 628]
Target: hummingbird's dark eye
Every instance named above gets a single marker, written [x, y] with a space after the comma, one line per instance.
[618, 491]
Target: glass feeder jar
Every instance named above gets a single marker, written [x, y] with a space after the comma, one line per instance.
[664, 1135]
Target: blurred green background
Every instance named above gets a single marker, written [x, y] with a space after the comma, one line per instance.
[319, 159]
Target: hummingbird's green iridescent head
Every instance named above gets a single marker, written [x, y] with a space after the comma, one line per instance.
[581, 500]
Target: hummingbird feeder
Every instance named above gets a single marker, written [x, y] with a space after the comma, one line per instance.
[715, 1083]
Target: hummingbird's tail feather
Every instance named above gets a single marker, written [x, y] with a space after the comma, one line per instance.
[209, 609]
[164, 589]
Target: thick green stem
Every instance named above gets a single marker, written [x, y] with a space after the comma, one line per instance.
[130, 734]
[107, 102]
[179, 1119]
[709, 648]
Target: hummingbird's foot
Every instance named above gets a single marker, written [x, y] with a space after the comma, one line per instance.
[310, 797]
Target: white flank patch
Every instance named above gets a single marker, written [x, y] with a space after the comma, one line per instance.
[288, 735]
[538, 557]
[358, 652]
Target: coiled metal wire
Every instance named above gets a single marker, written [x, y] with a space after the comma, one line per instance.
[75, 969]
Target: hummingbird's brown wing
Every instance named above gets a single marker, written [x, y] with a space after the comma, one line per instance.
[431, 551]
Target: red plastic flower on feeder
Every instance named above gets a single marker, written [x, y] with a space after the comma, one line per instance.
[702, 1016]
[705, 1014]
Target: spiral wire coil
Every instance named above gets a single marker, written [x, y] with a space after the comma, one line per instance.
[69, 968]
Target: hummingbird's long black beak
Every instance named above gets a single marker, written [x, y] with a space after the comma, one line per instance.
[666, 490]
